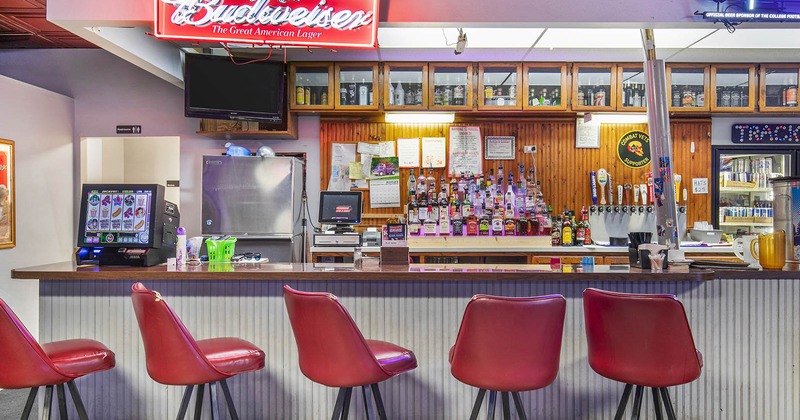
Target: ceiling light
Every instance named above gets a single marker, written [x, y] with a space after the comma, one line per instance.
[419, 117]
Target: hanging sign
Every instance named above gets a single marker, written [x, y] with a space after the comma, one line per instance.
[320, 23]
[633, 149]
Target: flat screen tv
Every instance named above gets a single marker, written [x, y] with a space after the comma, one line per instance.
[217, 87]
[340, 208]
[123, 216]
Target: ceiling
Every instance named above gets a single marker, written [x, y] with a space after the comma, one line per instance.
[23, 24]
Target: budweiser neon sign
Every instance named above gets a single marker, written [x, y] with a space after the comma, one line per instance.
[324, 23]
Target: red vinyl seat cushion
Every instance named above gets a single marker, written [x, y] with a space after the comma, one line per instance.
[232, 356]
[79, 357]
[391, 357]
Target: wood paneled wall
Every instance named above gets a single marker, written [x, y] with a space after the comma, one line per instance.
[562, 169]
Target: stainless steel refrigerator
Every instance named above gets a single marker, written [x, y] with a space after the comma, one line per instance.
[258, 200]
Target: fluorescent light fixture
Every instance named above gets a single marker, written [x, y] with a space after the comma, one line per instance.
[419, 117]
[620, 118]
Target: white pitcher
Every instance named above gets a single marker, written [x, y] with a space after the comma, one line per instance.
[741, 247]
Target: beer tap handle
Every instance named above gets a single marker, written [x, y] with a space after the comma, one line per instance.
[619, 193]
[685, 196]
[593, 181]
[643, 189]
[628, 188]
[636, 195]
[602, 179]
[610, 190]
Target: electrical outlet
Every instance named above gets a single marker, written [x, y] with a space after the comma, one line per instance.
[530, 149]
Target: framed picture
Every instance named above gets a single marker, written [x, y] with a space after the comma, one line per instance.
[7, 190]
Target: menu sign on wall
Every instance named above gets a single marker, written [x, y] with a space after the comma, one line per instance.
[322, 23]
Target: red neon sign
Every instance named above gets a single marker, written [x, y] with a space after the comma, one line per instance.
[322, 23]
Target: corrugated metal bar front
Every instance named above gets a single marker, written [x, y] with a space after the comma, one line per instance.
[748, 331]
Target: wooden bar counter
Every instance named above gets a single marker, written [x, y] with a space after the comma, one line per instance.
[746, 324]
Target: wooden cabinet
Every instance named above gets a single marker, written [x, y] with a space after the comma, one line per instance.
[499, 86]
[630, 88]
[450, 86]
[733, 88]
[310, 86]
[248, 130]
[777, 90]
[593, 87]
[405, 86]
[356, 86]
[545, 87]
[687, 85]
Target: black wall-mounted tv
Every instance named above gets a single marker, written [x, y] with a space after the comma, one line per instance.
[216, 87]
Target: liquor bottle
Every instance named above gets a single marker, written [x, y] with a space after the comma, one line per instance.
[429, 224]
[745, 97]
[444, 218]
[488, 92]
[422, 183]
[423, 206]
[533, 225]
[352, 92]
[556, 97]
[399, 95]
[544, 100]
[363, 92]
[566, 231]
[509, 224]
[343, 95]
[466, 206]
[676, 97]
[473, 225]
[462, 186]
[791, 93]
[391, 96]
[512, 93]
[510, 198]
[413, 216]
[587, 228]
[437, 96]
[523, 224]
[323, 98]
[533, 100]
[433, 203]
[580, 230]
[700, 97]
[300, 95]
[447, 95]
[411, 185]
[500, 178]
[458, 226]
[458, 95]
[455, 207]
[581, 97]
[490, 184]
[555, 235]
[484, 224]
[497, 220]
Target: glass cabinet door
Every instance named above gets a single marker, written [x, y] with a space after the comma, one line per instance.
[498, 86]
[593, 87]
[631, 83]
[545, 87]
[687, 88]
[405, 86]
[450, 86]
[356, 86]
[310, 86]
[733, 88]
[778, 88]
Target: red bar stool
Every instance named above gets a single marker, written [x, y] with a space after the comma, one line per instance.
[508, 345]
[641, 340]
[26, 364]
[175, 358]
[334, 353]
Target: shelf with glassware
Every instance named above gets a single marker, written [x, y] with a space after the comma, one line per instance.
[733, 88]
[309, 86]
[778, 88]
[630, 88]
[499, 86]
[450, 86]
[405, 86]
[688, 87]
[593, 87]
[355, 86]
[545, 85]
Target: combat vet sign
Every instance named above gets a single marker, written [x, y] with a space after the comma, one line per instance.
[633, 149]
[316, 23]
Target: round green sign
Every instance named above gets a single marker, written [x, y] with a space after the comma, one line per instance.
[633, 149]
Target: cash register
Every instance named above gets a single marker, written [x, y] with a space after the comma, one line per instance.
[341, 210]
[126, 224]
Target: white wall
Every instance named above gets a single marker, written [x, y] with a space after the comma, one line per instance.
[41, 123]
[110, 91]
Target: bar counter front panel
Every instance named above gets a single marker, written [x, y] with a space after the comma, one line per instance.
[746, 324]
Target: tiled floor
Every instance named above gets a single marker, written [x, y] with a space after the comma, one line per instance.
[12, 401]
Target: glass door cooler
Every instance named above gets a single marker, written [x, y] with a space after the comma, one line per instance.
[741, 194]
